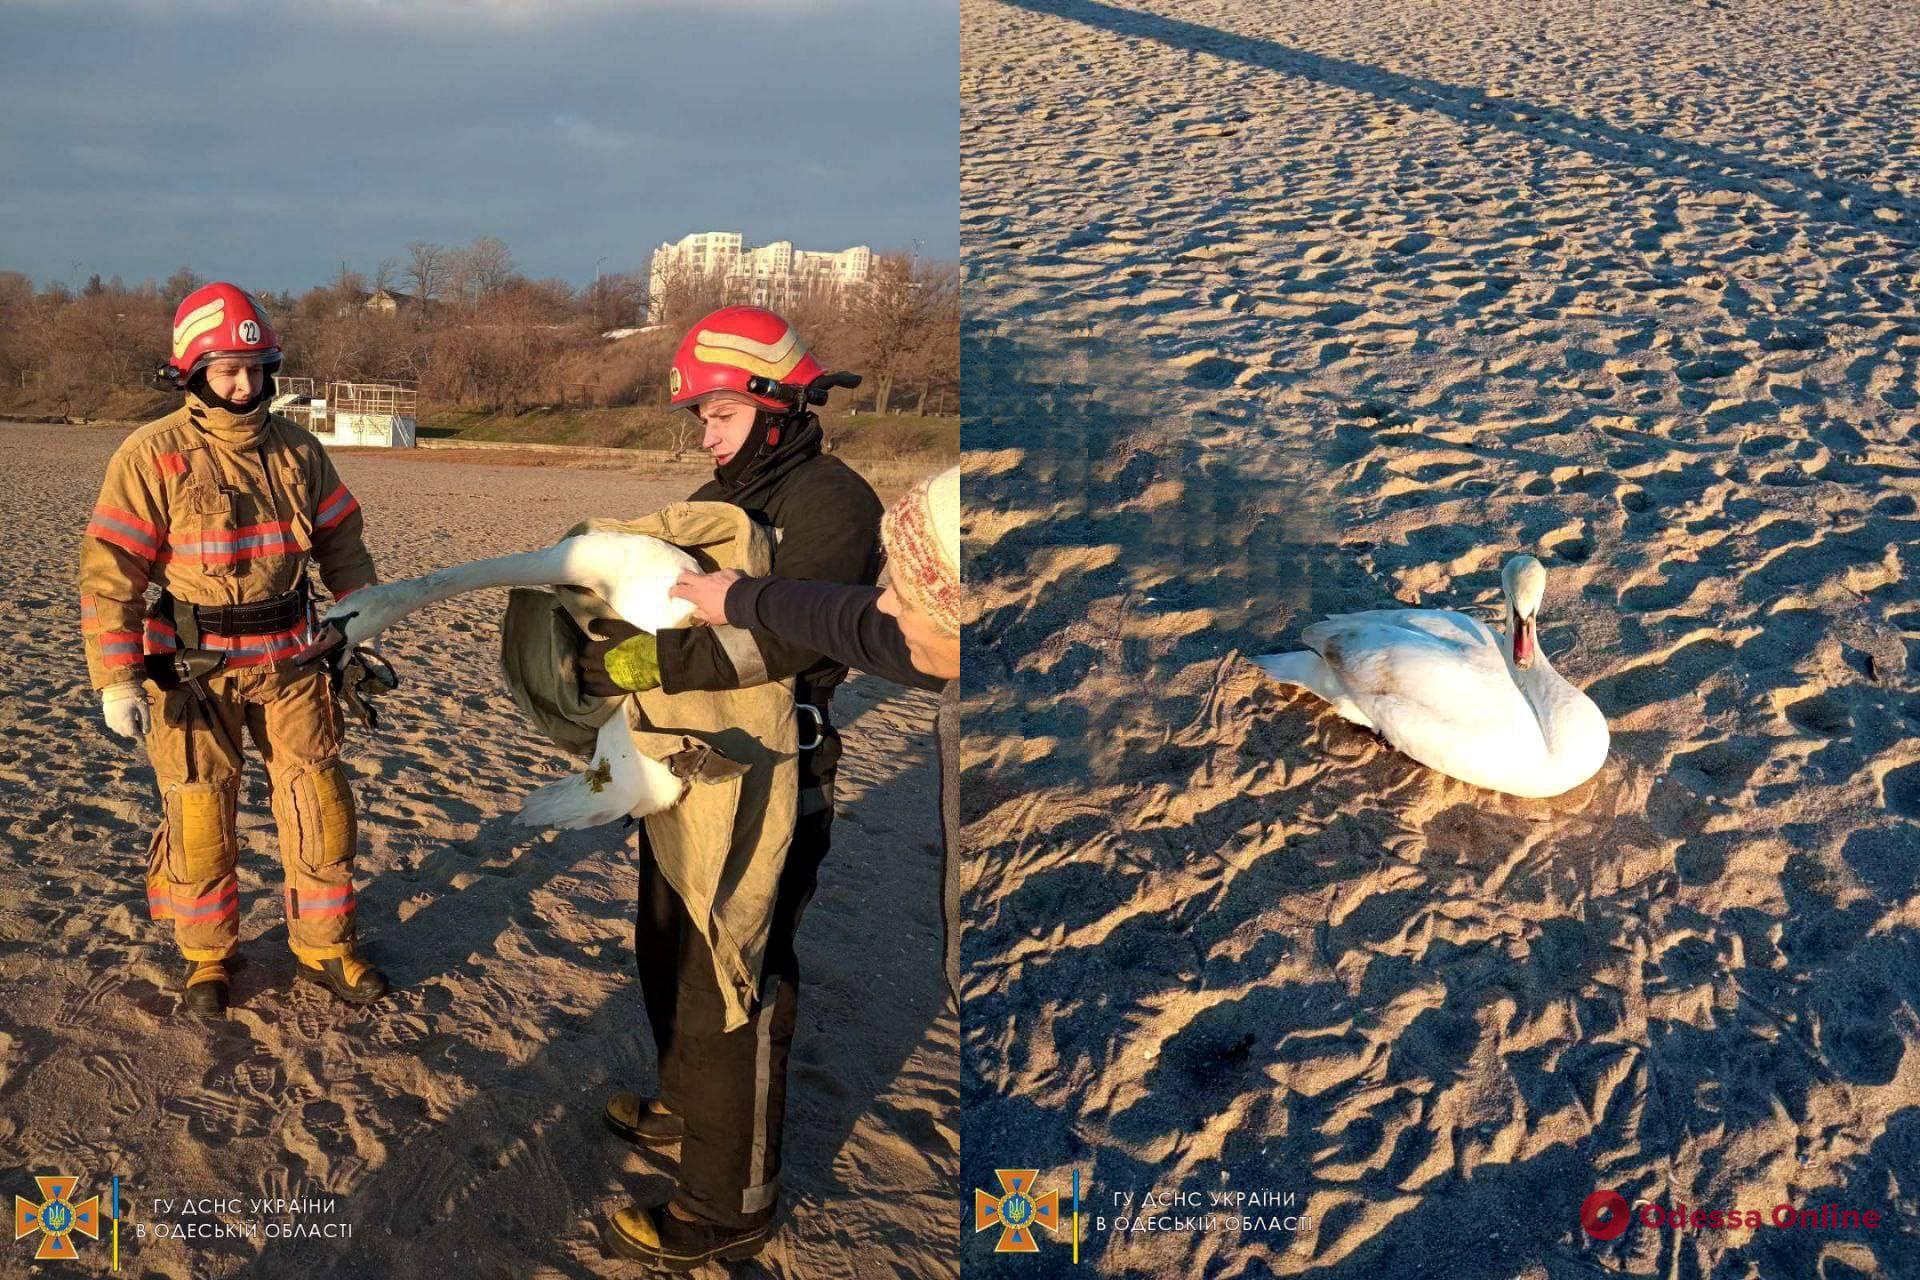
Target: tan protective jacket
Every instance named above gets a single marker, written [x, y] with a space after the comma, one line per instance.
[217, 509]
[723, 846]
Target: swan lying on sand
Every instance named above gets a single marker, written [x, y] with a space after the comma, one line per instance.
[1454, 694]
[631, 572]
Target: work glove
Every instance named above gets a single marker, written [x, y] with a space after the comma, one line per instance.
[621, 659]
[125, 709]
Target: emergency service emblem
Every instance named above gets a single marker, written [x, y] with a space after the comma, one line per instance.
[57, 1218]
[1016, 1211]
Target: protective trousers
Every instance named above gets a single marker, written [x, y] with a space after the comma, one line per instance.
[195, 750]
[730, 1087]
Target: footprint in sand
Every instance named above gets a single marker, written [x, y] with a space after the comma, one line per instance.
[1687, 667]
[261, 1076]
[1681, 579]
[1589, 482]
[119, 1082]
[1727, 765]
[1790, 636]
[1213, 372]
[1572, 548]
[217, 1118]
[401, 1032]
[326, 1123]
[1900, 790]
[1710, 368]
[88, 1007]
[1634, 500]
[1821, 715]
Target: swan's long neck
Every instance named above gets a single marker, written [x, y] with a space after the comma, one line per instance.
[1545, 690]
[1542, 687]
[546, 567]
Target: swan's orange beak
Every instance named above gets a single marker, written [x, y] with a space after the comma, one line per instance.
[1524, 642]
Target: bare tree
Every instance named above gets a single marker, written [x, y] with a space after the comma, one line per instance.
[490, 265]
[459, 288]
[517, 344]
[426, 270]
[551, 299]
[679, 295]
[386, 275]
[19, 353]
[893, 316]
[619, 302]
[685, 430]
[180, 284]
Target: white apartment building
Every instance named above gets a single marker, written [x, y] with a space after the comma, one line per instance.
[770, 273]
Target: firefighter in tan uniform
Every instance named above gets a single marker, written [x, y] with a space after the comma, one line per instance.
[221, 505]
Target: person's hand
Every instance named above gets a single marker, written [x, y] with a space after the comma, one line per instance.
[620, 659]
[707, 592]
[125, 708]
[326, 638]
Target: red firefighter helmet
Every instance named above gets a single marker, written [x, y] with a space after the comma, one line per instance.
[732, 345]
[219, 321]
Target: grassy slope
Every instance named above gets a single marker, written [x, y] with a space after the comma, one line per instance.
[859, 435]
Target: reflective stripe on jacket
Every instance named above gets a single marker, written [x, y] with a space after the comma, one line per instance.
[213, 524]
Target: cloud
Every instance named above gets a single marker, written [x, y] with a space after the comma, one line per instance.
[511, 13]
[323, 139]
[589, 136]
[526, 11]
[112, 158]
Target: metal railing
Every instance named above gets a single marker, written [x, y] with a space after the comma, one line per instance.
[396, 399]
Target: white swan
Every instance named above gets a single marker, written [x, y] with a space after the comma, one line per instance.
[633, 574]
[1449, 691]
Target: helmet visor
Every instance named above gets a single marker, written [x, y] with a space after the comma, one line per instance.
[251, 359]
[692, 404]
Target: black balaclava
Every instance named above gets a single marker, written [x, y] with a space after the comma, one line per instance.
[751, 449]
[198, 385]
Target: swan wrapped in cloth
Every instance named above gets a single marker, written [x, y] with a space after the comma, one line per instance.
[713, 774]
[723, 845]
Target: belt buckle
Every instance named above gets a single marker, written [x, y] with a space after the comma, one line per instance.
[819, 724]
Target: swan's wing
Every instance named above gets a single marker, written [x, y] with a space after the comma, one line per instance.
[1457, 630]
[1308, 670]
[1431, 686]
[642, 572]
[618, 781]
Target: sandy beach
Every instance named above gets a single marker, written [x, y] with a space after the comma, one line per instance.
[457, 1123]
[1277, 310]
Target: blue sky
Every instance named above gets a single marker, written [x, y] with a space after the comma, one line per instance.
[268, 141]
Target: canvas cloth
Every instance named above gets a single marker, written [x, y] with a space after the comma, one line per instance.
[723, 845]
